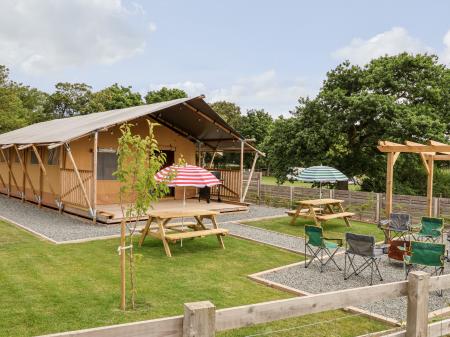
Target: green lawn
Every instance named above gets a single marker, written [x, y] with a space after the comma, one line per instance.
[273, 181]
[48, 288]
[333, 228]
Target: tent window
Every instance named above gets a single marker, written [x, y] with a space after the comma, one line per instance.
[53, 156]
[106, 165]
[33, 158]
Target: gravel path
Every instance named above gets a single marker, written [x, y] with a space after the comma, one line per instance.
[312, 281]
[64, 227]
[285, 241]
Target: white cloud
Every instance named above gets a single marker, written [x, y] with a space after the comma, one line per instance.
[391, 42]
[151, 27]
[47, 35]
[445, 57]
[263, 90]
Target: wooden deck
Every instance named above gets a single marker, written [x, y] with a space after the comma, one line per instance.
[113, 214]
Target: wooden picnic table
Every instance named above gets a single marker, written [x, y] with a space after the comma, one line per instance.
[158, 226]
[320, 210]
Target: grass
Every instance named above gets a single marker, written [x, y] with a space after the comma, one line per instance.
[267, 180]
[48, 288]
[334, 228]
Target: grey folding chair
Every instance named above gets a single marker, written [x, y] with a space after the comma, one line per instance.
[364, 247]
[398, 226]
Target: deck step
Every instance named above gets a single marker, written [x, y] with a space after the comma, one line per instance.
[194, 234]
[335, 216]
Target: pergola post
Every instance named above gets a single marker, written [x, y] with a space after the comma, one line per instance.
[430, 178]
[391, 159]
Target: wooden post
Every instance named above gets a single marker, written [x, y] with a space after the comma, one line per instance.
[417, 312]
[94, 177]
[391, 158]
[250, 176]
[25, 174]
[241, 173]
[199, 319]
[212, 160]
[378, 208]
[430, 185]
[122, 265]
[80, 181]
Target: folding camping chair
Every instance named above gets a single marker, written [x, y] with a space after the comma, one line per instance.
[362, 246]
[425, 254]
[317, 245]
[398, 226]
[430, 229]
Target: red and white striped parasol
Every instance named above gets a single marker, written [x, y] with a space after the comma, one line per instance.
[187, 175]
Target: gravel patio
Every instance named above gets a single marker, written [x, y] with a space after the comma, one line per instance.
[311, 280]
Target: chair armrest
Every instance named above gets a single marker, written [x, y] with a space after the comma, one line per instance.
[415, 228]
[384, 223]
[334, 239]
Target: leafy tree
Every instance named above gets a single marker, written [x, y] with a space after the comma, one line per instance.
[393, 98]
[229, 111]
[164, 94]
[114, 97]
[19, 105]
[256, 124]
[69, 99]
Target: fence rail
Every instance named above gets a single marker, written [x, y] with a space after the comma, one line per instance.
[71, 192]
[202, 319]
[368, 206]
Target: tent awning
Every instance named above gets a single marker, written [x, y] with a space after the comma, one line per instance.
[191, 117]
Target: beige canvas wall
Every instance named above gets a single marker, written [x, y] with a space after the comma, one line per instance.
[82, 150]
[108, 190]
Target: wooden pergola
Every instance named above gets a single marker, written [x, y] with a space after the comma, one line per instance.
[429, 153]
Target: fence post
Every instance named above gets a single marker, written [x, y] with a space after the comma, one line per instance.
[378, 208]
[199, 319]
[259, 188]
[417, 312]
[291, 196]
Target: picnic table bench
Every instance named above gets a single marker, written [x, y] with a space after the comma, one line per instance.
[158, 226]
[321, 210]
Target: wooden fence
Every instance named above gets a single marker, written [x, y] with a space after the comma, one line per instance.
[71, 192]
[202, 319]
[368, 206]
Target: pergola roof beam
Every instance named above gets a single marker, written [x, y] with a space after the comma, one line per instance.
[385, 146]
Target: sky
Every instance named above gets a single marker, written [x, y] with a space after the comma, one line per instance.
[258, 54]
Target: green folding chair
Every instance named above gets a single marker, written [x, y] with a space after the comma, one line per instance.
[424, 255]
[317, 245]
[430, 229]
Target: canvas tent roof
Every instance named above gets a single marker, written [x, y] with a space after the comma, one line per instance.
[190, 117]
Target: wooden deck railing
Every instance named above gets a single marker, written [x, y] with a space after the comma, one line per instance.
[231, 184]
[71, 192]
[202, 319]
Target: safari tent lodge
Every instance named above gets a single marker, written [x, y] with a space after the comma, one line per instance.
[67, 164]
